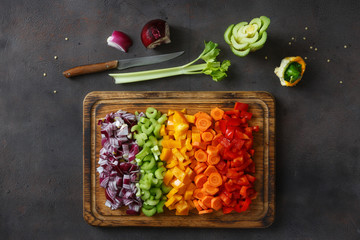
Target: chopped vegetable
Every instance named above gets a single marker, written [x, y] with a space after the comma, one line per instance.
[119, 40]
[147, 135]
[155, 33]
[212, 67]
[290, 71]
[118, 172]
[247, 37]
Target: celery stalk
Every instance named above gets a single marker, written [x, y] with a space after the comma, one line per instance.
[211, 67]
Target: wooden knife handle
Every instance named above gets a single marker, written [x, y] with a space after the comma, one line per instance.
[92, 68]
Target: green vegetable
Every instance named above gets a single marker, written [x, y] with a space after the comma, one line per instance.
[212, 67]
[149, 212]
[244, 38]
[293, 72]
[147, 135]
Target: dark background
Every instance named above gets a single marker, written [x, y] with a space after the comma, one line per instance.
[317, 135]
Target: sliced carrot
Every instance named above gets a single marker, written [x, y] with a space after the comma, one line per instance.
[202, 115]
[206, 211]
[200, 167]
[215, 179]
[213, 159]
[210, 189]
[203, 124]
[207, 136]
[216, 113]
[197, 206]
[199, 193]
[201, 156]
[200, 179]
[212, 150]
[202, 205]
[216, 203]
[209, 170]
[207, 201]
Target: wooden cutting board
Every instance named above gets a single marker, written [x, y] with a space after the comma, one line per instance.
[261, 104]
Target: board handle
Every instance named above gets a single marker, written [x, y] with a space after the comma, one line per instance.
[92, 68]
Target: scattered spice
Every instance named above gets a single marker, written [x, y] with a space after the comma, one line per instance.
[345, 46]
[293, 38]
[306, 28]
[304, 38]
[44, 74]
[315, 49]
[341, 82]
[328, 60]
[266, 58]
[66, 39]
[55, 91]
[311, 47]
[305, 58]
[289, 43]
[55, 57]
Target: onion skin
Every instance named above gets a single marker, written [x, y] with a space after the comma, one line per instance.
[120, 40]
[155, 33]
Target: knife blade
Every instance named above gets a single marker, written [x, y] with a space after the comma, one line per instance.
[119, 64]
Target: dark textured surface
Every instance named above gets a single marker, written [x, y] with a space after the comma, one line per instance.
[318, 170]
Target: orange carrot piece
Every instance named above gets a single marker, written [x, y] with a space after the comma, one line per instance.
[199, 193]
[203, 124]
[196, 203]
[202, 205]
[212, 150]
[200, 145]
[207, 136]
[210, 189]
[200, 179]
[216, 113]
[202, 115]
[213, 159]
[199, 168]
[207, 201]
[209, 170]
[216, 203]
[206, 211]
[215, 179]
[201, 156]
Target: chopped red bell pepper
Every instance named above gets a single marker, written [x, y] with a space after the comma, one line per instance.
[241, 106]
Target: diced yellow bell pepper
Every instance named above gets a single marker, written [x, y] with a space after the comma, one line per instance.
[188, 145]
[172, 193]
[176, 183]
[178, 173]
[188, 194]
[170, 201]
[168, 177]
[163, 130]
[177, 154]
[173, 163]
[170, 112]
[170, 143]
[165, 154]
[190, 118]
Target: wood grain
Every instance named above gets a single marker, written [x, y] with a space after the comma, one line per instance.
[91, 68]
[97, 104]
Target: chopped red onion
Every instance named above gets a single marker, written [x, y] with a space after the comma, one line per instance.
[117, 171]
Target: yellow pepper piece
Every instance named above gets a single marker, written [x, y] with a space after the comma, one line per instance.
[165, 154]
[178, 173]
[162, 130]
[190, 118]
[178, 154]
[168, 177]
[172, 193]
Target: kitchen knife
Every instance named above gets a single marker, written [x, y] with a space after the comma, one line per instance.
[119, 64]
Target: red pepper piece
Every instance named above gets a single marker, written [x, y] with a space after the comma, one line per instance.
[241, 106]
